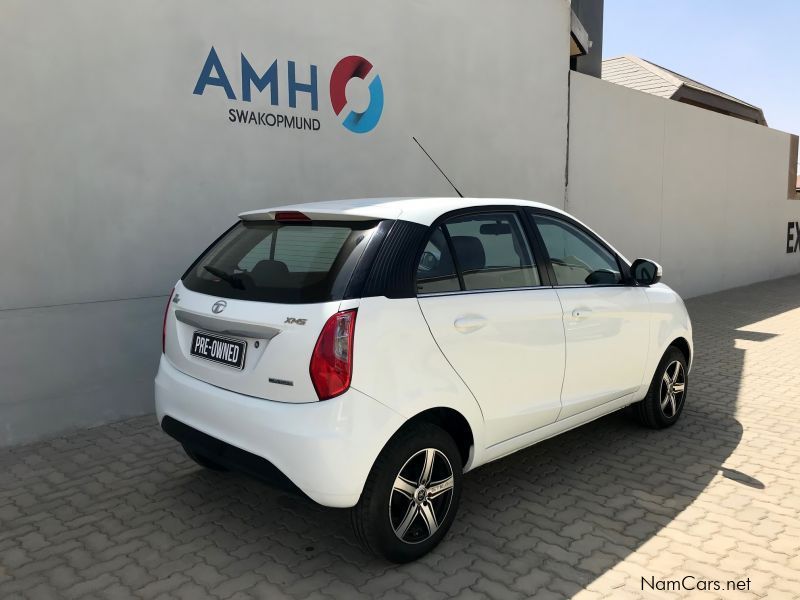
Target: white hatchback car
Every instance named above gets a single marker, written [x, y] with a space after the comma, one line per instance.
[373, 351]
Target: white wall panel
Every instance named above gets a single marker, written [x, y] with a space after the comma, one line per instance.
[114, 175]
[702, 193]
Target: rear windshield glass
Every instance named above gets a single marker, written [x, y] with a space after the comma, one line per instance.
[292, 263]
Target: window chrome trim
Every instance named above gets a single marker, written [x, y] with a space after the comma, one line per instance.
[527, 288]
[587, 286]
[487, 291]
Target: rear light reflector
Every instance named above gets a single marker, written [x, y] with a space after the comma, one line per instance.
[291, 215]
[164, 324]
[331, 366]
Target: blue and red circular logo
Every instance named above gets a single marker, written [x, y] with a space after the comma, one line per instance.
[345, 70]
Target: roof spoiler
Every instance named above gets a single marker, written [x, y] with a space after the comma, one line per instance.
[307, 214]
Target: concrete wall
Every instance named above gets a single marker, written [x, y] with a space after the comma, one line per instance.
[702, 193]
[115, 175]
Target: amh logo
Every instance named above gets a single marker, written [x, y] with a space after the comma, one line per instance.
[213, 74]
[345, 70]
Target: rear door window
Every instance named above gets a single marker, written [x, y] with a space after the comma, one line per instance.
[486, 251]
[269, 261]
[492, 252]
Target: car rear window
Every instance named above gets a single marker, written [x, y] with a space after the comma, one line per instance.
[294, 263]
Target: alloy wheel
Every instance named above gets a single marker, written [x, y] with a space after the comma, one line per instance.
[673, 389]
[421, 496]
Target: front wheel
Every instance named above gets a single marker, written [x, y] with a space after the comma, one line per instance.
[411, 496]
[667, 394]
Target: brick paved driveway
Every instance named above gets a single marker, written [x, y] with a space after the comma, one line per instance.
[118, 511]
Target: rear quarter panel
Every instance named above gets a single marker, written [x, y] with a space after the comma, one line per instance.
[397, 362]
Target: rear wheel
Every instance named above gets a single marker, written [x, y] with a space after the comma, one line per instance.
[411, 496]
[667, 394]
[204, 461]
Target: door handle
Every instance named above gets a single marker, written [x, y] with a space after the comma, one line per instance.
[581, 313]
[469, 323]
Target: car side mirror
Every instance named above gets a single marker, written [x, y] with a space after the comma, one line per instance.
[646, 272]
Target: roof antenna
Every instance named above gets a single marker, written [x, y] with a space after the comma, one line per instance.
[460, 195]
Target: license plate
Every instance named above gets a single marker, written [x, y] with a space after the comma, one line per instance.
[225, 351]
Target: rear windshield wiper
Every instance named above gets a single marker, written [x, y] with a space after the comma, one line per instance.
[229, 278]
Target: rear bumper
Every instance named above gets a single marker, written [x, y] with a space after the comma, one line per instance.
[324, 448]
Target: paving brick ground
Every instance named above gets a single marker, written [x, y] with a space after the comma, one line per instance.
[119, 512]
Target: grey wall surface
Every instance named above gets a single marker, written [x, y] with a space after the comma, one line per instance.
[77, 365]
[115, 175]
[702, 193]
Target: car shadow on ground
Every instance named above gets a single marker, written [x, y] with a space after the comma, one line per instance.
[555, 516]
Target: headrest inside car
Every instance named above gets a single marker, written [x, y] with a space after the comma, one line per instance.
[268, 272]
[469, 251]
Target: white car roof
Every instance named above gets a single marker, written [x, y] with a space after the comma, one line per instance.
[419, 210]
[422, 210]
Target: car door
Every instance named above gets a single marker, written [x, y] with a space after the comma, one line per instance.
[606, 321]
[482, 296]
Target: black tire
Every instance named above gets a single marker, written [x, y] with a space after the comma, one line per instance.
[204, 461]
[381, 512]
[656, 411]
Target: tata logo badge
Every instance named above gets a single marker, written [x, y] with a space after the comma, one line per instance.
[293, 321]
[219, 306]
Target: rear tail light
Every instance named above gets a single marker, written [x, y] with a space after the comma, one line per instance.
[164, 324]
[291, 215]
[332, 362]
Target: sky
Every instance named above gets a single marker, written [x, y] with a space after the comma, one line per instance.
[747, 48]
